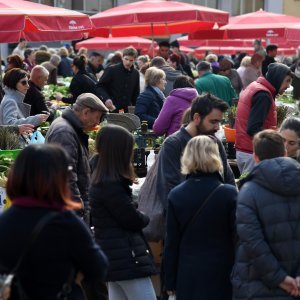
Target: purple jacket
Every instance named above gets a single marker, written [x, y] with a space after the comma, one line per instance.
[169, 118]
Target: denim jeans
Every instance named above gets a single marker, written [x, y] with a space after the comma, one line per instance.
[134, 289]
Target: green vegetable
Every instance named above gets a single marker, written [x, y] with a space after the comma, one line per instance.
[51, 90]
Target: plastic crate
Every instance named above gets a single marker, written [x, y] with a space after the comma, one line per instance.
[10, 153]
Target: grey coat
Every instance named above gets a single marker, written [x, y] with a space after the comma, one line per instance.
[14, 112]
[268, 227]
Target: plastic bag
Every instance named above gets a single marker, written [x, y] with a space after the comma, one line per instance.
[37, 138]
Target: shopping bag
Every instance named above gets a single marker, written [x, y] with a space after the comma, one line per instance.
[37, 138]
[149, 203]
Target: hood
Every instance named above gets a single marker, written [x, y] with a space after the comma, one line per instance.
[171, 74]
[276, 74]
[280, 175]
[188, 94]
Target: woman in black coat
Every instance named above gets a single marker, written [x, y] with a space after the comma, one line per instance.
[151, 100]
[117, 222]
[81, 82]
[199, 249]
[38, 188]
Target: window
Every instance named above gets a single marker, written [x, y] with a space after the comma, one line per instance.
[208, 3]
[47, 2]
[92, 6]
[77, 5]
[240, 7]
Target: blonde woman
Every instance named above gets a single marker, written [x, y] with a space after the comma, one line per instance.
[199, 248]
[150, 102]
[246, 62]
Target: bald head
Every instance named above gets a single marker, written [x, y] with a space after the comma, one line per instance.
[39, 76]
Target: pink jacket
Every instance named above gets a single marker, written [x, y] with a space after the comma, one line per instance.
[169, 118]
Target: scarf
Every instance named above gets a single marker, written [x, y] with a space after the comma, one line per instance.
[36, 203]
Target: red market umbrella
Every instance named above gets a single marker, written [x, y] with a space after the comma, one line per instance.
[280, 42]
[263, 24]
[234, 50]
[38, 22]
[156, 17]
[112, 43]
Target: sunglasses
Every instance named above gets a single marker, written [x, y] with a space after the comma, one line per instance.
[24, 82]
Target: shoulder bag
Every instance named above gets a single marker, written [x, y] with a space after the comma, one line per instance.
[192, 220]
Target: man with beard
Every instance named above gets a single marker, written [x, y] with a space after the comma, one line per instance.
[206, 115]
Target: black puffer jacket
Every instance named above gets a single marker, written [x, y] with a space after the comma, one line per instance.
[118, 226]
[268, 226]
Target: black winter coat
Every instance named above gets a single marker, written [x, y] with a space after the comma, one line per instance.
[148, 105]
[81, 83]
[67, 131]
[118, 226]
[120, 85]
[36, 99]
[268, 227]
[64, 244]
[199, 261]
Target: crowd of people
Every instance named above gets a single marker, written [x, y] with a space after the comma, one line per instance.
[220, 241]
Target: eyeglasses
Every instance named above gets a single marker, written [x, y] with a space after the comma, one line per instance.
[24, 82]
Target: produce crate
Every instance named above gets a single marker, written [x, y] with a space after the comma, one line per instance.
[10, 153]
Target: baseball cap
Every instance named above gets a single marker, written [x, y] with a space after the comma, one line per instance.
[91, 101]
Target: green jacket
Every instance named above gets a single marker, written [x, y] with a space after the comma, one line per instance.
[217, 85]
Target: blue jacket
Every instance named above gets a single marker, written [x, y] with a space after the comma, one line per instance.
[148, 105]
[268, 227]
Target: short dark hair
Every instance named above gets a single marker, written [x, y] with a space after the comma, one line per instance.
[183, 81]
[158, 62]
[203, 66]
[130, 51]
[114, 145]
[42, 56]
[204, 104]
[96, 54]
[46, 181]
[164, 44]
[80, 62]
[271, 47]
[291, 123]
[268, 144]
[13, 76]
[28, 52]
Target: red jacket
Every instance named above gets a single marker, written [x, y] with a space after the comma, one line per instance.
[243, 139]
